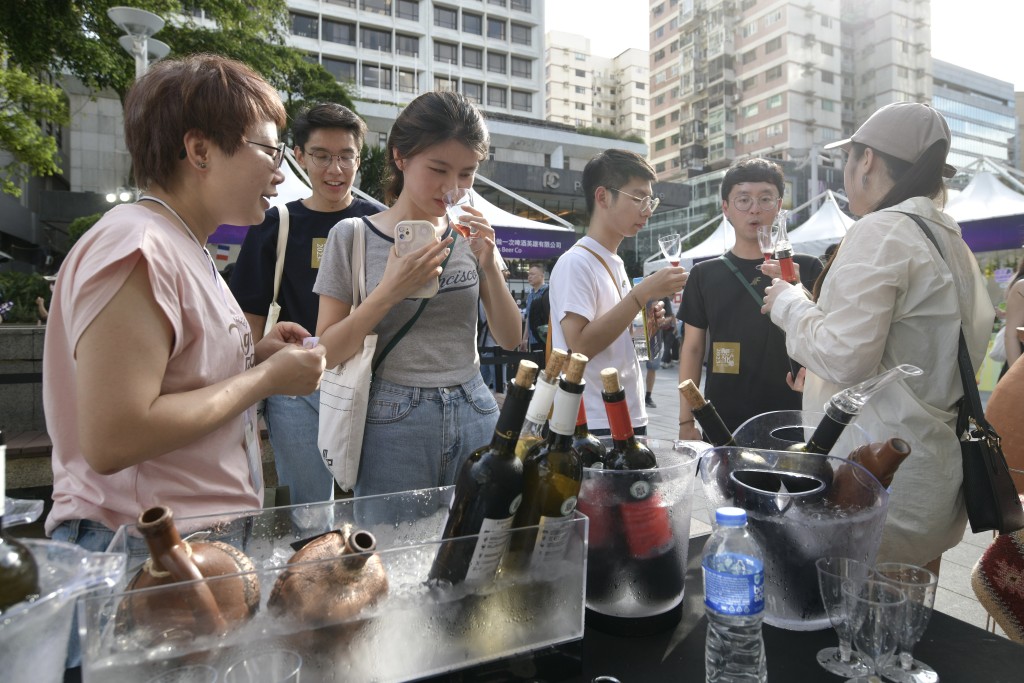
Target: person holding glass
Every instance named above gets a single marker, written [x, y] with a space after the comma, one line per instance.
[428, 407]
[748, 370]
[150, 372]
[889, 297]
[328, 139]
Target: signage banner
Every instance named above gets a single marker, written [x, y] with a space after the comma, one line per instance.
[533, 243]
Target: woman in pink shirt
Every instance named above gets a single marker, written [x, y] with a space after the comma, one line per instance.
[150, 374]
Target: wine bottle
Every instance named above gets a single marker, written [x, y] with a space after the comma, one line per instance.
[591, 451]
[710, 421]
[540, 405]
[488, 492]
[552, 475]
[881, 459]
[784, 251]
[627, 453]
[19, 575]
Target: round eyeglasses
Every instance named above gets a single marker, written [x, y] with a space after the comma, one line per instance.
[323, 159]
[745, 202]
[277, 156]
[646, 203]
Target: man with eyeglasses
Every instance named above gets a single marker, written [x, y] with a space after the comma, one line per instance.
[592, 302]
[328, 140]
[748, 371]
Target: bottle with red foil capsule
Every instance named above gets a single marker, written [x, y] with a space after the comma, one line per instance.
[591, 451]
[784, 250]
[626, 453]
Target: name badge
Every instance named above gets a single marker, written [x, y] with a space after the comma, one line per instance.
[725, 358]
[318, 252]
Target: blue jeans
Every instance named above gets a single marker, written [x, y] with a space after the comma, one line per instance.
[293, 423]
[418, 438]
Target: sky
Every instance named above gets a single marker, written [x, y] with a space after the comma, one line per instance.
[980, 35]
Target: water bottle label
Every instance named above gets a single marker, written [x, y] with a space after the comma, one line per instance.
[734, 584]
[490, 546]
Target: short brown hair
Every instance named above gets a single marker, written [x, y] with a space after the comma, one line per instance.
[212, 95]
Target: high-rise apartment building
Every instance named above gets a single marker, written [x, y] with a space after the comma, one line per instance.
[587, 90]
[980, 111]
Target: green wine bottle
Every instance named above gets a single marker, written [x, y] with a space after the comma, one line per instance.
[19, 575]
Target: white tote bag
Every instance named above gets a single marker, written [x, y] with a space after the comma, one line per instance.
[345, 389]
[274, 312]
[998, 352]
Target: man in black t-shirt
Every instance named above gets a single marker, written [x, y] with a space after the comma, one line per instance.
[747, 364]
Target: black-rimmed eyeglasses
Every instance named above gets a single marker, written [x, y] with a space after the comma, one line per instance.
[323, 159]
[646, 203]
[277, 156]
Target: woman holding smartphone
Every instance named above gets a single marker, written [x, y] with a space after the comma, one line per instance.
[428, 406]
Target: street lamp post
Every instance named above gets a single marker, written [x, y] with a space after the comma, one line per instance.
[140, 26]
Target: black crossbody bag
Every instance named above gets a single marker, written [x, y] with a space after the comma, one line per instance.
[991, 498]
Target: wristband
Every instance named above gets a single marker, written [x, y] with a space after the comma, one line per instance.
[685, 422]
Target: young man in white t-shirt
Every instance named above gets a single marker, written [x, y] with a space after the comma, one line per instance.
[592, 303]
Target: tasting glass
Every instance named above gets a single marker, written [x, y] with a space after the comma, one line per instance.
[833, 572]
[270, 666]
[766, 239]
[671, 247]
[876, 616]
[454, 200]
[919, 585]
[193, 673]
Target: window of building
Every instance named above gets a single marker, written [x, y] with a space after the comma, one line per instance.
[502, 3]
[496, 96]
[827, 49]
[372, 39]
[659, 55]
[496, 63]
[377, 6]
[749, 29]
[658, 10]
[828, 105]
[446, 53]
[579, 56]
[773, 17]
[338, 32]
[408, 9]
[581, 73]
[304, 26]
[747, 4]
[522, 68]
[406, 81]
[640, 100]
[376, 77]
[522, 101]
[443, 83]
[773, 45]
[827, 77]
[773, 73]
[774, 102]
[446, 17]
[674, 139]
[659, 100]
[674, 116]
[659, 145]
[496, 29]
[581, 90]
[748, 83]
[474, 92]
[749, 56]
[472, 58]
[750, 110]
[659, 167]
[826, 21]
[581, 107]
[341, 69]
[639, 85]
[773, 130]
[521, 35]
[472, 23]
[659, 122]
[641, 117]
[522, 5]
[407, 45]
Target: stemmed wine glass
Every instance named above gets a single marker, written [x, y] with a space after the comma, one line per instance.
[876, 616]
[671, 247]
[454, 200]
[919, 585]
[833, 572]
[766, 239]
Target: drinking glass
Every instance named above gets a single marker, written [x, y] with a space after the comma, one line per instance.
[270, 666]
[454, 200]
[876, 615]
[919, 585]
[832, 573]
[766, 239]
[192, 673]
[671, 247]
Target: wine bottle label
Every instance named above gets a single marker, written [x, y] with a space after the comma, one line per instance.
[490, 547]
[647, 526]
[618, 420]
[540, 404]
[602, 529]
[553, 537]
[734, 584]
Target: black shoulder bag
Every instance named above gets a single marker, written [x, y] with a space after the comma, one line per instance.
[991, 498]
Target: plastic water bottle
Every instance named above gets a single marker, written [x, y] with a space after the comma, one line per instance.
[733, 601]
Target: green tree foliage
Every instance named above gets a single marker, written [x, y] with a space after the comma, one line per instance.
[372, 168]
[79, 226]
[25, 102]
[23, 289]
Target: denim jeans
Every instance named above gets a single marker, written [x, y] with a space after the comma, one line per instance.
[418, 438]
[293, 423]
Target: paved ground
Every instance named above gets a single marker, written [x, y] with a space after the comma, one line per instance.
[954, 597]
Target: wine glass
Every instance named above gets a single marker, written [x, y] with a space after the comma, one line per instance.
[671, 247]
[454, 200]
[876, 615]
[766, 239]
[832, 573]
[919, 585]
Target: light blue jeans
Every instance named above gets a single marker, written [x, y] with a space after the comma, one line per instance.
[418, 438]
[293, 423]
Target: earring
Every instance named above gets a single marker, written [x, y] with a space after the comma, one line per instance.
[201, 164]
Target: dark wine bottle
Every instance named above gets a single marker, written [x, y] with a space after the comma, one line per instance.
[19, 575]
[881, 459]
[591, 451]
[552, 475]
[540, 405]
[626, 453]
[487, 494]
[710, 421]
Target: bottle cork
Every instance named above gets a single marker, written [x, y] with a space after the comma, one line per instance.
[610, 380]
[574, 370]
[555, 363]
[692, 394]
[526, 373]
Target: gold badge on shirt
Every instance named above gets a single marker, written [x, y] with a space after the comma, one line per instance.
[725, 357]
[318, 251]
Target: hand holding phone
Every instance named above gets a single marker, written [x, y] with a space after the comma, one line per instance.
[413, 235]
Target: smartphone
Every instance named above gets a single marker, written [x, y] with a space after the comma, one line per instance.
[410, 236]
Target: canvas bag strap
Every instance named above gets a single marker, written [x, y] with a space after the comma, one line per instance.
[603, 263]
[282, 246]
[750, 288]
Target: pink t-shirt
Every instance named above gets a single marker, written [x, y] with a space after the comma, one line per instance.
[212, 342]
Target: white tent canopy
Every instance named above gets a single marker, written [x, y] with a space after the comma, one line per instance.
[828, 225]
[985, 197]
